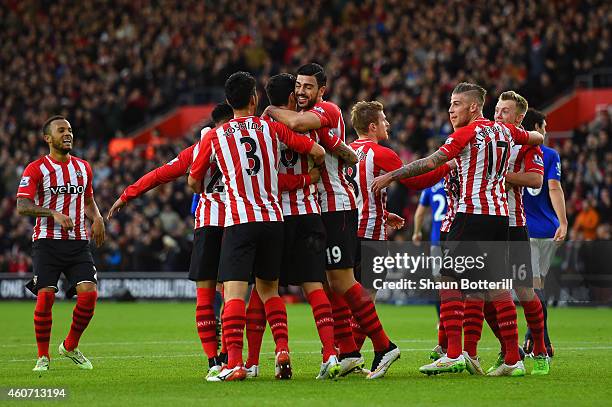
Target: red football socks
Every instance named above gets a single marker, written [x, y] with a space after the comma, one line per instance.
[321, 310]
[364, 311]
[535, 320]
[451, 316]
[343, 334]
[255, 327]
[234, 320]
[472, 324]
[82, 314]
[205, 320]
[276, 314]
[43, 321]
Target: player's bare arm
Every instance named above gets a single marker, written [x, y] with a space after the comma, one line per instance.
[194, 184]
[557, 198]
[525, 179]
[97, 222]
[419, 215]
[413, 169]
[535, 138]
[117, 206]
[345, 153]
[26, 207]
[299, 122]
[317, 153]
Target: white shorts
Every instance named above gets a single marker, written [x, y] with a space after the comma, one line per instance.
[542, 252]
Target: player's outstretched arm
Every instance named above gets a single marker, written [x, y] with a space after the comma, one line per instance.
[97, 222]
[299, 122]
[413, 169]
[26, 207]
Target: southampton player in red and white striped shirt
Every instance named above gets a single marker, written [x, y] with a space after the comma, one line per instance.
[247, 152]
[371, 125]
[526, 169]
[57, 190]
[482, 151]
[208, 227]
[339, 214]
[208, 232]
[304, 245]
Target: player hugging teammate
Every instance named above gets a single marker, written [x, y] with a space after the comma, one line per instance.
[260, 220]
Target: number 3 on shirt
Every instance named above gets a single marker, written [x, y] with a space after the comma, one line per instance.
[250, 147]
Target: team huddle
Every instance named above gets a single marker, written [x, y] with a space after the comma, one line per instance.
[283, 200]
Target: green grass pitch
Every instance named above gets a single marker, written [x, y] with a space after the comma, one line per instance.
[148, 353]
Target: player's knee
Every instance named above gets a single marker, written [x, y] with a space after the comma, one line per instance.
[206, 284]
[341, 280]
[525, 293]
[266, 289]
[311, 286]
[86, 287]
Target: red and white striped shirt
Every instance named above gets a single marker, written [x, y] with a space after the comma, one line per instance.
[335, 193]
[452, 187]
[522, 159]
[376, 160]
[61, 186]
[482, 149]
[247, 152]
[211, 207]
[304, 200]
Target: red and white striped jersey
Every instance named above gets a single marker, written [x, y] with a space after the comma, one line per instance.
[211, 207]
[61, 186]
[482, 149]
[452, 187]
[523, 158]
[247, 152]
[376, 160]
[304, 200]
[335, 193]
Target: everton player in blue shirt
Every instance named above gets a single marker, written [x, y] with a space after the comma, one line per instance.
[434, 197]
[546, 218]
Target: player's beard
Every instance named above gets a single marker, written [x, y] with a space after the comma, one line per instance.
[309, 105]
[62, 148]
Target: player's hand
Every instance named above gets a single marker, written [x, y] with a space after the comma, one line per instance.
[315, 175]
[64, 221]
[394, 221]
[416, 237]
[97, 231]
[560, 233]
[117, 206]
[381, 183]
[452, 164]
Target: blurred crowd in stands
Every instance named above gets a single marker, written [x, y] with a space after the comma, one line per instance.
[110, 66]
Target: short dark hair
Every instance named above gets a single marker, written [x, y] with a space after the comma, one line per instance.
[239, 88]
[532, 118]
[476, 91]
[46, 128]
[316, 70]
[221, 113]
[279, 88]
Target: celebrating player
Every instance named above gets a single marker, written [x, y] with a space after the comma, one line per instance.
[482, 215]
[208, 231]
[57, 190]
[546, 220]
[339, 214]
[525, 170]
[246, 151]
[305, 237]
